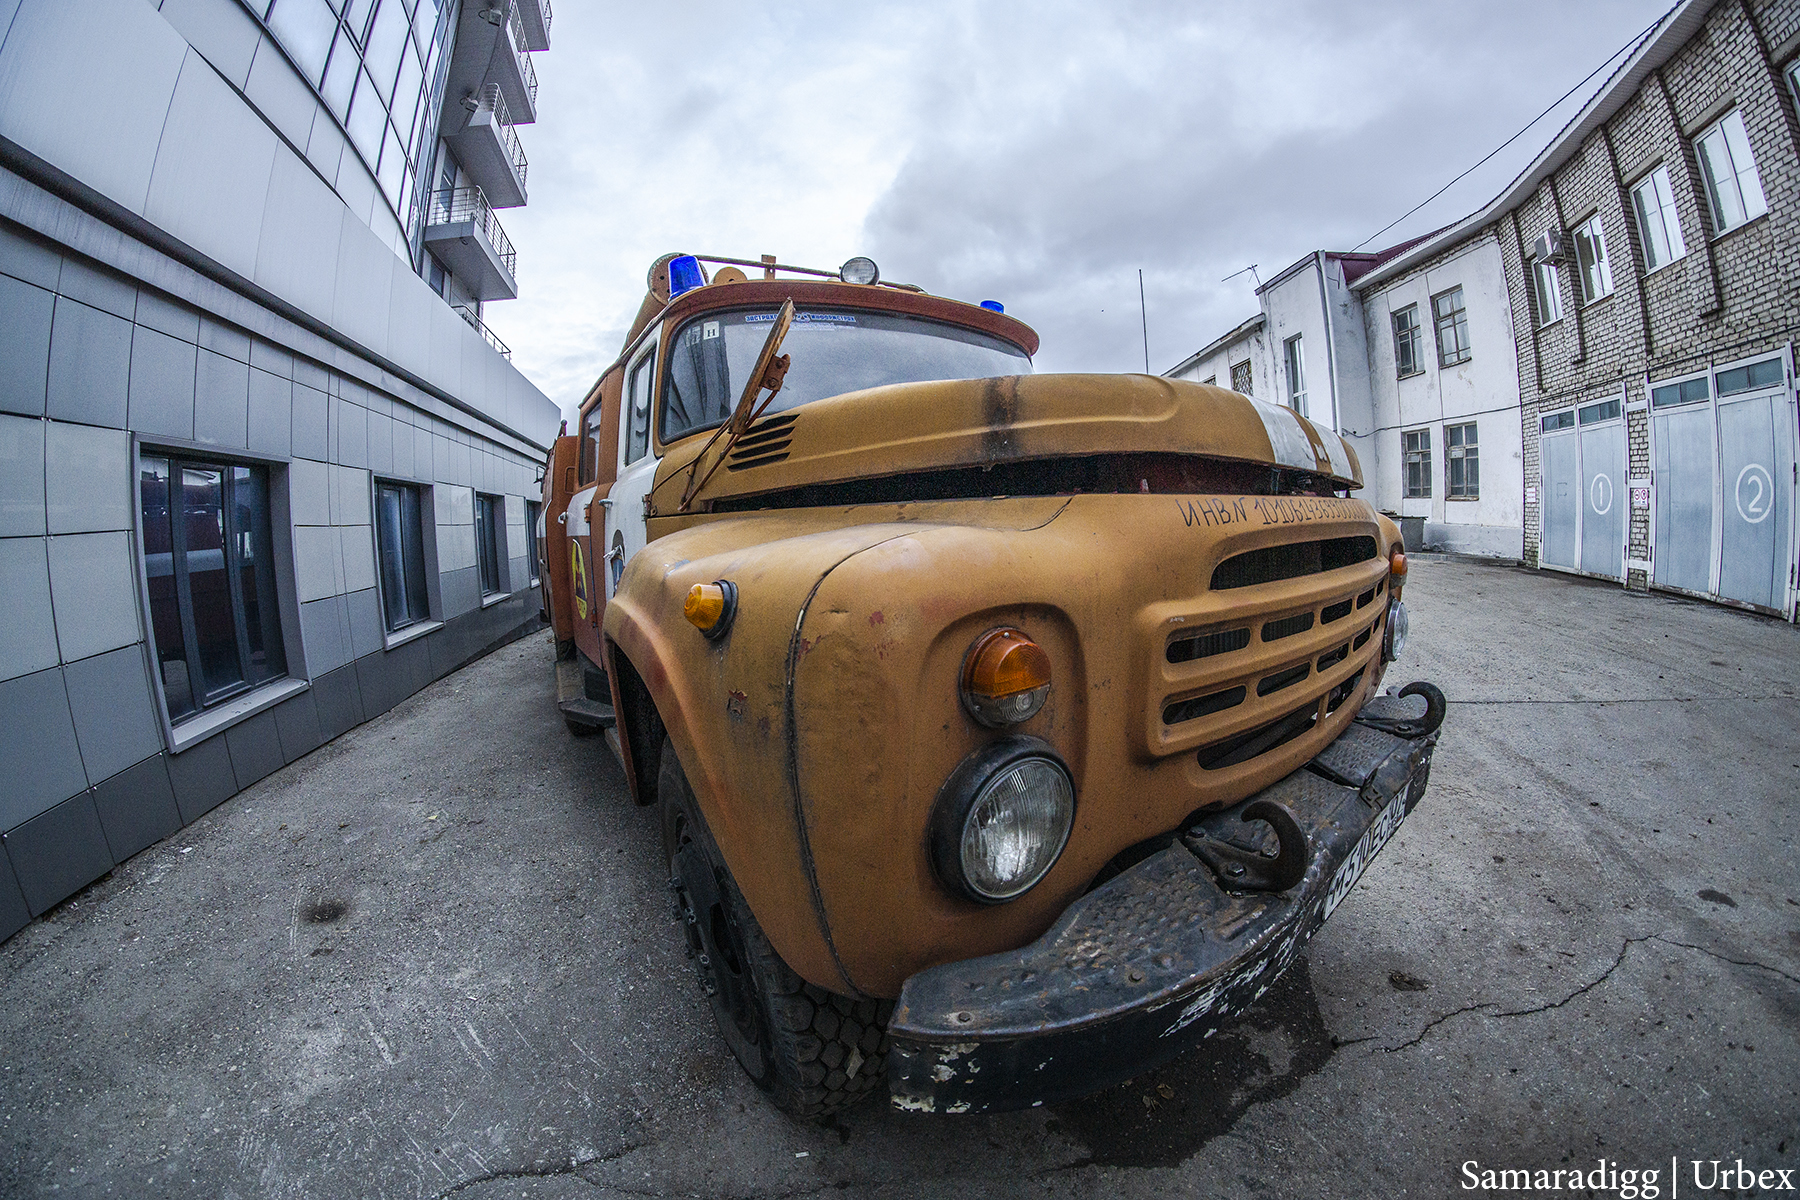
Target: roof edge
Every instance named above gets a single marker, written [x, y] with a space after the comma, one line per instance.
[1676, 27]
[1217, 344]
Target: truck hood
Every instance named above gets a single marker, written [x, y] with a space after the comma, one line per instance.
[912, 427]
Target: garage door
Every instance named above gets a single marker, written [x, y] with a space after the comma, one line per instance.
[1723, 447]
[1581, 454]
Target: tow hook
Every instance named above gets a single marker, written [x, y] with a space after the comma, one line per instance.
[1378, 713]
[1245, 870]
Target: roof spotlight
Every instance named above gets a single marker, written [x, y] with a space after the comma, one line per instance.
[860, 270]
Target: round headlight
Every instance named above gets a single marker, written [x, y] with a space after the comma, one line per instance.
[1396, 631]
[860, 270]
[1002, 819]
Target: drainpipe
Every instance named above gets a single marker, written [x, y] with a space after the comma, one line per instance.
[1330, 342]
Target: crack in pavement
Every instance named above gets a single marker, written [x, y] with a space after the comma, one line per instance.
[572, 1167]
[1580, 991]
[575, 1167]
[1524, 1012]
[1736, 962]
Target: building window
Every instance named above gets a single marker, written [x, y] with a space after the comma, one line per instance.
[1658, 220]
[1767, 373]
[378, 69]
[209, 563]
[1688, 391]
[1452, 327]
[1409, 358]
[487, 542]
[1463, 455]
[1593, 414]
[532, 508]
[1418, 464]
[1561, 420]
[1590, 261]
[1732, 187]
[1295, 357]
[1546, 294]
[1212, 381]
[1240, 378]
[437, 277]
[400, 552]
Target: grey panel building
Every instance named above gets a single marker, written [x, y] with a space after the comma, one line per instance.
[264, 472]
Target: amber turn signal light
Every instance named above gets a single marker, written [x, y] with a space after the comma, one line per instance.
[710, 607]
[1397, 563]
[1005, 678]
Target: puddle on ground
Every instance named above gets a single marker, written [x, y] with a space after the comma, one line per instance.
[1162, 1117]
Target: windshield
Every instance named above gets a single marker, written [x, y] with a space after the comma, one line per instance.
[833, 352]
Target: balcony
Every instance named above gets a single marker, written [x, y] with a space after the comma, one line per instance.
[487, 335]
[462, 231]
[511, 69]
[487, 54]
[488, 149]
[532, 27]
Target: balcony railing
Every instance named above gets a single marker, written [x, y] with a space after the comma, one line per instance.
[452, 206]
[518, 41]
[509, 137]
[468, 314]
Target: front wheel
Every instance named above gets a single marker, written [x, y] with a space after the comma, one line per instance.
[811, 1050]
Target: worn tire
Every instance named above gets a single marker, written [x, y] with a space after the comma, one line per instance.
[811, 1050]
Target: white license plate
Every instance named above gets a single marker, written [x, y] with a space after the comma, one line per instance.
[1367, 847]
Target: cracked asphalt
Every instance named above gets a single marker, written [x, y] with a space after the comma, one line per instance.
[436, 958]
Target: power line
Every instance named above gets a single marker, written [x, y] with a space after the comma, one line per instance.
[1630, 45]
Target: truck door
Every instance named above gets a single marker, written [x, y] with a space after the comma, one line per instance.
[624, 505]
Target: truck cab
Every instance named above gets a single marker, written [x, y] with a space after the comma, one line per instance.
[1008, 730]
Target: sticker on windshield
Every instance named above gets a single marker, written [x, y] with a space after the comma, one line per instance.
[805, 318]
[710, 329]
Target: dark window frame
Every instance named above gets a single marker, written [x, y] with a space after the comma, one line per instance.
[490, 544]
[248, 633]
[413, 595]
[533, 568]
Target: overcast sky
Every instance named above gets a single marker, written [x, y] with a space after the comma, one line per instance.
[1033, 153]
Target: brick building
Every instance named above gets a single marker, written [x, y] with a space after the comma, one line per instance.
[1643, 275]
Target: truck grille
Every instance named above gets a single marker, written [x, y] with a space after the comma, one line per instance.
[1275, 563]
[1230, 691]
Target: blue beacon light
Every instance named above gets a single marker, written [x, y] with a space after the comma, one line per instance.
[684, 275]
[993, 306]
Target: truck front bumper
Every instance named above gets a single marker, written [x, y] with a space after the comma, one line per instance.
[1164, 953]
